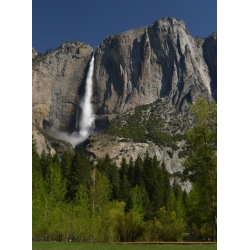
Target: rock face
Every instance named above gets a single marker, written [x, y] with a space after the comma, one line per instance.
[101, 144]
[34, 53]
[42, 143]
[131, 69]
[210, 56]
[58, 82]
[141, 65]
[49, 144]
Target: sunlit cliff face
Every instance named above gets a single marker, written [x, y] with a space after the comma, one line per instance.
[86, 121]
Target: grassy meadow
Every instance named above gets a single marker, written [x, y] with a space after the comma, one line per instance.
[105, 246]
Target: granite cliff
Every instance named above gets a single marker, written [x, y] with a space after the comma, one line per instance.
[57, 84]
[141, 65]
[137, 67]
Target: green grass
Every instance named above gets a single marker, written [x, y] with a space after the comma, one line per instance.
[103, 246]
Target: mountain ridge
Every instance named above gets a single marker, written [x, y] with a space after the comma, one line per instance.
[133, 68]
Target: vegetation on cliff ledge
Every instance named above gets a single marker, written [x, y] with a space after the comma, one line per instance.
[157, 122]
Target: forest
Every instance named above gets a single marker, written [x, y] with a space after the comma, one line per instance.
[139, 200]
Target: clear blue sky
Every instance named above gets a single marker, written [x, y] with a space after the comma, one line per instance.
[90, 21]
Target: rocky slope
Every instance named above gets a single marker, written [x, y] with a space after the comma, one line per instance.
[157, 128]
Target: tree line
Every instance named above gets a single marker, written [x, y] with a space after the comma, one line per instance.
[136, 201]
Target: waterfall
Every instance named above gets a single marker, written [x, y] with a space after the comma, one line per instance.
[87, 120]
[86, 123]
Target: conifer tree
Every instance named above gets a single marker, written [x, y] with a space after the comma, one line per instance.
[45, 161]
[66, 164]
[177, 189]
[36, 168]
[131, 172]
[159, 191]
[35, 157]
[56, 159]
[123, 170]
[124, 182]
[167, 186]
[149, 176]
[80, 172]
[138, 172]
[109, 168]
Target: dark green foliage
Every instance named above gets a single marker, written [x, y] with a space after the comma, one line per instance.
[123, 169]
[131, 172]
[56, 159]
[177, 189]
[35, 158]
[184, 198]
[125, 189]
[138, 173]
[124, 182]
[149, 176]
[45, 161]
[79, 173]
[182, 154]
[108, 167]
[154, 185]
[167, 186]
[159, 190]
[36, 168]
[66, 164]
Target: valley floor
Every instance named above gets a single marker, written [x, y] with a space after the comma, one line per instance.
[106, 246]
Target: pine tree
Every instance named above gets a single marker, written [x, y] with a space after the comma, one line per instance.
[66, 164]
[167, 186]
[80, 172]
[131, 172]
[123, 170]
[149, 176]
[125, 189]
[177, 189]
[124, 182]
[109, 168]
[138, 172]
[56, 159]
[36, 168]
[159, 191]
[35, 157]
[45, 161]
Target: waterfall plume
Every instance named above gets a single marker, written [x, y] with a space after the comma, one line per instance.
[86, 123]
